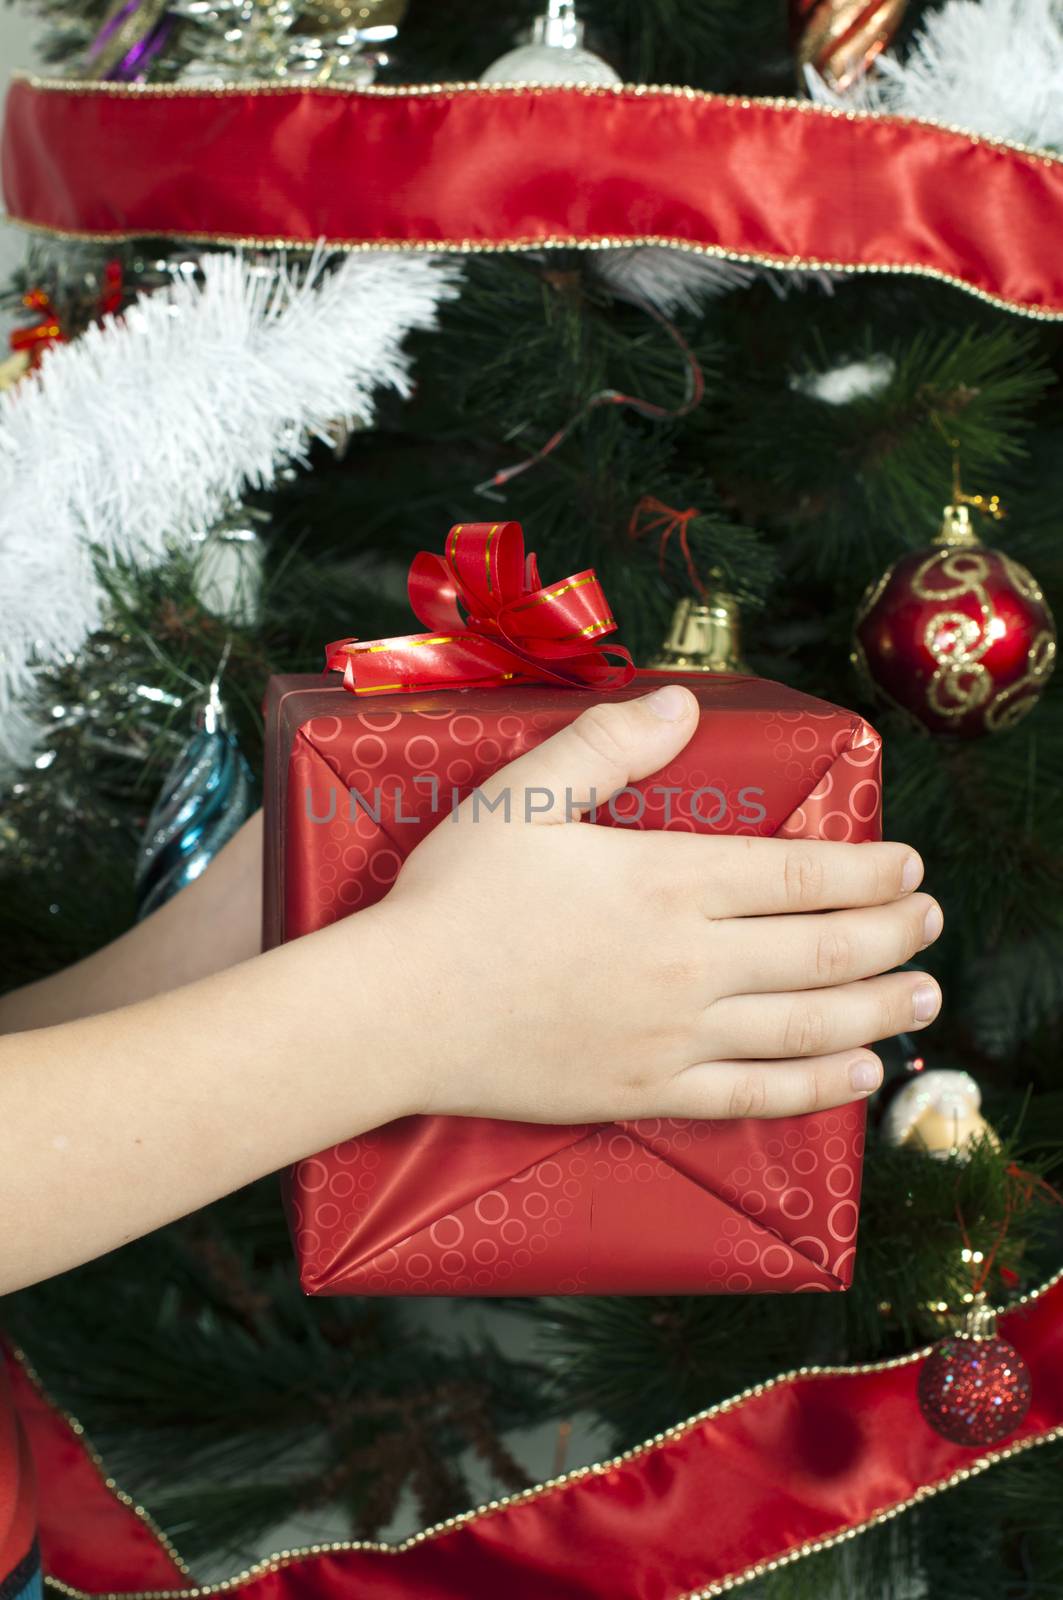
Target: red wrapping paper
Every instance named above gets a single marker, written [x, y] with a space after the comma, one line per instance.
[436, 1205]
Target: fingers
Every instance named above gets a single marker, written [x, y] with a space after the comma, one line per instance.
[607, 747]
[821, 1021]
[746, 877]
[765, 955]
[769, 1088]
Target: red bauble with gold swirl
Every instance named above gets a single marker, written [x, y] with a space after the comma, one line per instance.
[958, 635]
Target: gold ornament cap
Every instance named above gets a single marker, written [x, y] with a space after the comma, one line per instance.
[957, 527]
[705, 636]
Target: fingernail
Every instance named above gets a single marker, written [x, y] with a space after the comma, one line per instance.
[865, 1074]
[933, 924]
[925, 1002]
[913, 872]
[670, 704]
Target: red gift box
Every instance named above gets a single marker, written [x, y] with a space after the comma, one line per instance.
[446, 1205]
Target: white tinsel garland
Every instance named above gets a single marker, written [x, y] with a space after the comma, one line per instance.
[993, 67]
[137, 436]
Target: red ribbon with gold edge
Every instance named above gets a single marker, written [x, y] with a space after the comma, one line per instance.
[794, 1465]
[462, 167]
[490, 621]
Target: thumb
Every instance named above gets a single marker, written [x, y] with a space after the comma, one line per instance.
[607, 747]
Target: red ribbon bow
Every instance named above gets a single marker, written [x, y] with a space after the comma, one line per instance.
[490, 622]
[48, 331]
[42, 335]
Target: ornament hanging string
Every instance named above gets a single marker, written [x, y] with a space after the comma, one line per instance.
[987, 503]
[652, 516]
[692, 398]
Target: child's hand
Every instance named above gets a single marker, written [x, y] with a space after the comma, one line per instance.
[554, 972]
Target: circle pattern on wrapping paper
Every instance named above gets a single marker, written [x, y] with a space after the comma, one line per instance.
[323, 730]
[466, 729]
[867, 810]
[369, 750]
[841, 1263]
[861, 755]
[796, 1204]
[489, 752]
[421, 752]
[312, 1174]
[776, 1261]
[752, 1202]
[811, 1246]
[836, 826]
[384, 866]
[460, 772]
[843, 1220]
[380, 721]
[840, 1181]
[804, 1162]
[492, 1207]
[447, 1232]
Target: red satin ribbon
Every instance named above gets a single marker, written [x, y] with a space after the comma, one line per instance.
[490, 622]
[468, 168]
[759, 1479]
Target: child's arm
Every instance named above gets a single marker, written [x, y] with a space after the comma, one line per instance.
[212, 924]
[536, 970]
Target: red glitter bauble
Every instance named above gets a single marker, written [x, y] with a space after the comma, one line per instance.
[974, 1391]
[957, 635]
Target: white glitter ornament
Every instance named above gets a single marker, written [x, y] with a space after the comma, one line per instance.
[939, 1111]
[554, 54]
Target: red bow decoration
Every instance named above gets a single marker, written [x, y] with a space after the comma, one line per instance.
[653, 516]
[48, 331]
[491, 622]
[35, 340]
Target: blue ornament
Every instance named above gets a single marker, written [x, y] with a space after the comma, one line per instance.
[207, 796]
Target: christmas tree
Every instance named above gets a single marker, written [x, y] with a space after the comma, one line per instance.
[720, 434]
